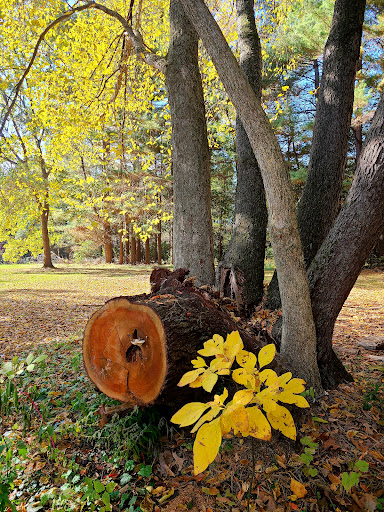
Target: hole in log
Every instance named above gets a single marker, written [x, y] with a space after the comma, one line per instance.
[133, 353]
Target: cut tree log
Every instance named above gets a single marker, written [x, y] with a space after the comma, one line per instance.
[137, 348]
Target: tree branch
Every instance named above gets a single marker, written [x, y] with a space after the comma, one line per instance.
[140, 49]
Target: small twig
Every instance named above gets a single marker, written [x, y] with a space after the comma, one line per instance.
[39, 413]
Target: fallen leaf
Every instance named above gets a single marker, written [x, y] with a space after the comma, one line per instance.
[298, 488]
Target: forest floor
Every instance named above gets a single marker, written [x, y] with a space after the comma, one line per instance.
[58, 453]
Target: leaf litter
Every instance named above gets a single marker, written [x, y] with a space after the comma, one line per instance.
[343, 429]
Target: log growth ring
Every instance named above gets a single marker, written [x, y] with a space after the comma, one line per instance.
[124, 351]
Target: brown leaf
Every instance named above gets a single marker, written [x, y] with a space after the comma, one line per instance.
[334, 479]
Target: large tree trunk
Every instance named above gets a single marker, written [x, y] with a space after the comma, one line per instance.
[245, 255]
[298, 342]
[137, 348]
[320, 200]
[338, 263]
[193, 237]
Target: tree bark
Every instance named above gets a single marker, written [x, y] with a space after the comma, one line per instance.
[246, 252]
[138, 250]
[108, 246]
[137, 348]
[133, 250]
[298, 343]
[159, 250]
[44, 210]
[44, 215]
[320, 200]
[121, 249]
[147, 252]
[193, 236]
[338, 263]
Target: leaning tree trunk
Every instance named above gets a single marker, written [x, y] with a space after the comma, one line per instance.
[298, 342]
[193, 236]
[320, 201]
[338, 263]
[242, 268]
[137, 348]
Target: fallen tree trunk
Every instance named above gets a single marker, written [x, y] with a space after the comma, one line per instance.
[137, 348]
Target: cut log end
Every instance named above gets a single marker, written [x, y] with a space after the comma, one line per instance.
[124, 351]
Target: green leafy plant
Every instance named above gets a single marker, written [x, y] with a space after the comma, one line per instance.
[373, 396]
[11, 455]
[15, 375]
[349, 480]
[307, 456]
[252, 411]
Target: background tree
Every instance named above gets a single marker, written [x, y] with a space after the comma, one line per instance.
[245, 254]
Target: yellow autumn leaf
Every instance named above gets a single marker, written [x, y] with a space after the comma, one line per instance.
[281, 419]
[266, 355]
[232, 345]
[298, 488]
[198, 362]
[294, 386]
[289, 398]
[241, 376]
[290, 390]
[196, 383]
[220, 399]
[243, 397]
[219, 364]
[246, 360]
[208, 380]
[206, 445]
[189, 377]
[239, 419]
[189, 413]
[258, 424]
[208, 416]
[213, 346]
[269, 377]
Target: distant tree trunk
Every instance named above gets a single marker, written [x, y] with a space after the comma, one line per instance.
[121, 250]
[320, 200]
[133, 250]
[147, 252]
[159, 251]
[193, 237]
[171, 244]
[44, 211]
[338, 263]
[128, 229]
[138, 250]
[246, 252]
[108, 246]
[298, 343]
[155, 248]
[358, 139]
[317, 76]
[44, 216]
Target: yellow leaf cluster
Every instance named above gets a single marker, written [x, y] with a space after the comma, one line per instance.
[253, 410]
